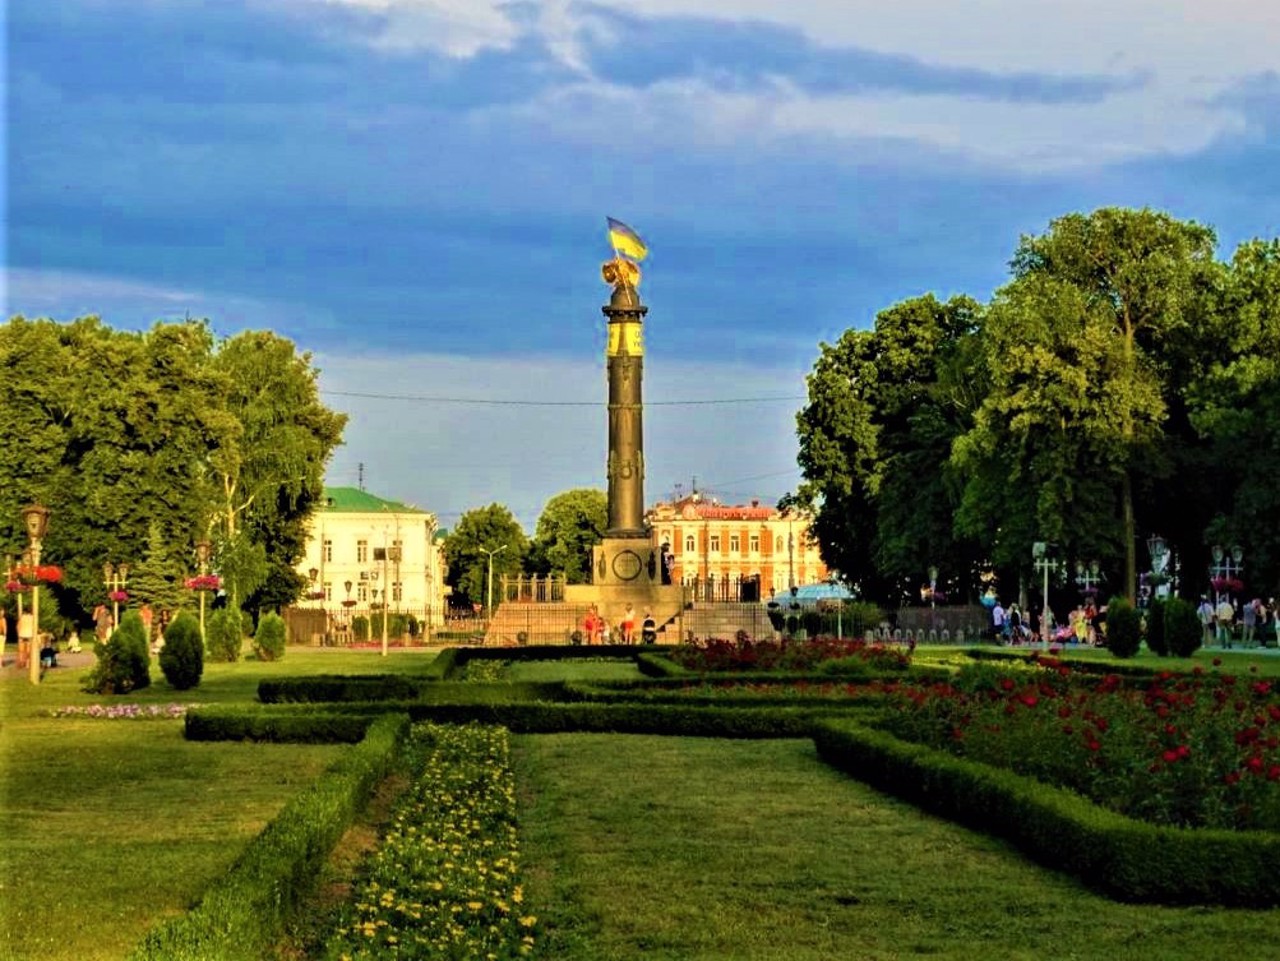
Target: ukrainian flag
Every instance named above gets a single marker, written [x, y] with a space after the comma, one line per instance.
[626, 241]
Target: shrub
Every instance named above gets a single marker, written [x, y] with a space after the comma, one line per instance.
[1124, 628]
[776, 617]
[124, 662]
[1154, 619]
[182, 657]
[811, 621]
[360, 627]
[1182, 630]
[268, 640]
[224, 636]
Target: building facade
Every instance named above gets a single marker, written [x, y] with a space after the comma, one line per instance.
[735, 552]
[367, 551]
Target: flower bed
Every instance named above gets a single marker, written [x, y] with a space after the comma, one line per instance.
[127, 711]
[785, 655]
[1185, 750]
[443, 882]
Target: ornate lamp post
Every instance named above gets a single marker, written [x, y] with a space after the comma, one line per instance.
[115, 578]
[1045, 564]
[1228, 565]
[1087, 576]
[202, 559]
[313, 574]
[1160, 554]
[36, 518]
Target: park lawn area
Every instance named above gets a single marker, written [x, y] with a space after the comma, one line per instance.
[666, 848]
[1262, 662]
[605, 669]
[107, 826]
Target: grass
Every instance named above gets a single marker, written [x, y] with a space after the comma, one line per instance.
[703, 849]
[574, 670]
[109, 825]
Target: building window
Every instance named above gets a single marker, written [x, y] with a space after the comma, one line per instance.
[754, 543]
[328, 590]
[690, 545]
[362, 593]
[715, 543]
[777, 545]
[395, 590]
[735, 544]
[328, 550]
[362, 553]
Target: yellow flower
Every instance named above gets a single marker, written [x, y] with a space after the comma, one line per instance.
[529, 920]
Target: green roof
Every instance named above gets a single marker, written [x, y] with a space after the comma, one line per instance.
[352, 500]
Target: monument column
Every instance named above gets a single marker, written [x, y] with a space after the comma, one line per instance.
[625, 364]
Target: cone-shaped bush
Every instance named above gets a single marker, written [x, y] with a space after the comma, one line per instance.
[268, 641]
[1182, 630]
[222, 635]
[124, 663]
[1124, 628]
[182, 657]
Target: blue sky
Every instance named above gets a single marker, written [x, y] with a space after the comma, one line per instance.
[415, 191]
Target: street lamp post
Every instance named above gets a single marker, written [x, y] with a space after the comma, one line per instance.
[1228, 563]
[1087, 576]
[834, 582]
[36, 518]
[489, 604]
[203, 549]
[115, 577]
[1045, 564]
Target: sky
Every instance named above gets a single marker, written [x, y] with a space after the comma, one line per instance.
[415, 192]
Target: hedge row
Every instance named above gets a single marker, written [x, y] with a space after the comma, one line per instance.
[454, 659]
[337, 687]
[1083, 665]
[1123, 858]
[305, 726]
[244, 913]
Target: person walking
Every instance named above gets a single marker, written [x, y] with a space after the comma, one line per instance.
[1206, 612]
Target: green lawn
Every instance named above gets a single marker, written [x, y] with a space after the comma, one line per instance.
[667, 848]
[574, 670]
[108, 825]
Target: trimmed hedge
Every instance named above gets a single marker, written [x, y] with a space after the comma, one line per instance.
[338, 687]
[308, 726]
[244, 913]
[1123, 858]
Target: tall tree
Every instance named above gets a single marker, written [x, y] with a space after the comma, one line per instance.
[571, 523]
[269, 472]
[481, 533]
[884, 407]
[1236, 408]
[1078, 348]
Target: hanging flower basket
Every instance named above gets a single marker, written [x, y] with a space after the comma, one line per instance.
[1227, 585]
[118, 597]
[16, 587]
[349, 603]
[315, 595]
[43, 574]
[204, 582]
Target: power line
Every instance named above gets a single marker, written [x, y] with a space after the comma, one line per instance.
[418, 398]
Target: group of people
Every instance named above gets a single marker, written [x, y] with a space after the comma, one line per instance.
[1256, 620]
[596, 630]
[1084, 624]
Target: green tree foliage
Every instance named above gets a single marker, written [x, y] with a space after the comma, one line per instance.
[118, 431]
[158, 578]
[124, 661]
[270, 471]
[182, 656]
[224, 635]
[884, 408]
[1080, 350]
[571, 523]
[269, 638]
[479, 531]
[1236, 408]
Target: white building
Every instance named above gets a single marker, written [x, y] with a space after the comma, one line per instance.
[370, 551]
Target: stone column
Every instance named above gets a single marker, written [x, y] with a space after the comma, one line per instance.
[625, 363]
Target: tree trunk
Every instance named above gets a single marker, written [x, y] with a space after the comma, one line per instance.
[1130, 539]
